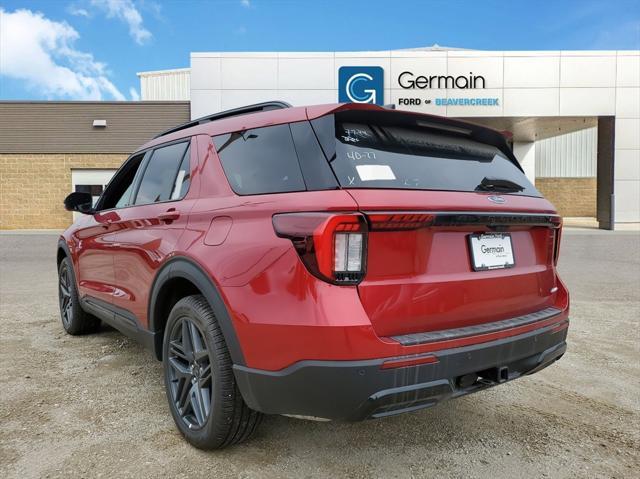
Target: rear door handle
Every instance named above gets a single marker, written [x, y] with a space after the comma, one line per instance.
[170, 215]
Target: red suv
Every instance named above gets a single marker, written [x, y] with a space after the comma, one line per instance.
[335, 261]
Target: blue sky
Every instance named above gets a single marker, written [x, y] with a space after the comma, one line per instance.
[92, 49]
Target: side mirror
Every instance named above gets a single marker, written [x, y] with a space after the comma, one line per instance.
[80, 202]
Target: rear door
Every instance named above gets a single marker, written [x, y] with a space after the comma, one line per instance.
[433, 198]
[150, 226]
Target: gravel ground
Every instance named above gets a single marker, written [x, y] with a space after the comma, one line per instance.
[94, 406]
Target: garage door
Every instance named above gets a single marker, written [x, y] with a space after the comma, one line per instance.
[90, 181]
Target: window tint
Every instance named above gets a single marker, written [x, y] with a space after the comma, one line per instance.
[183, 178]
[118, 192]
[262, 160]
[125, 198]
[369, 150]
[315, 168]
[160, 175]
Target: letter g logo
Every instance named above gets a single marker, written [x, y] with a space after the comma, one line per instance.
[352, 89]
[361, 85]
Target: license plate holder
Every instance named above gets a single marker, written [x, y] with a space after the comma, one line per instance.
[491, 251]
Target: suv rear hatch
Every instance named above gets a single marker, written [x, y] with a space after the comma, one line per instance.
[457, 234]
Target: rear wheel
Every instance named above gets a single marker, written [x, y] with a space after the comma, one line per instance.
[204, 400]
[74, 319]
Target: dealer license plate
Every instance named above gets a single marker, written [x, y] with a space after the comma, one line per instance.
[491, 251]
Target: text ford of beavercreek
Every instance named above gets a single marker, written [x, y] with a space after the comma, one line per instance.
[335, 261]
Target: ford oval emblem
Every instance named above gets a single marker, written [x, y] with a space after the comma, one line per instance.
[496, 199]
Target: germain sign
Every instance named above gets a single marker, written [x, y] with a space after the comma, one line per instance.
[365, 84]
[361, 85]
[408, 80]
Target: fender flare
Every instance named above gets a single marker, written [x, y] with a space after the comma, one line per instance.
[186, 268]
[62, 245]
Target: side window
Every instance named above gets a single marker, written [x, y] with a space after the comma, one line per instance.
[262, 160]
[183, 178]
[125, 199]
[315, 167]
[159, 178]
[118, 191]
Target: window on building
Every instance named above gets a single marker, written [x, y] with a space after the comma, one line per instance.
[93, 190]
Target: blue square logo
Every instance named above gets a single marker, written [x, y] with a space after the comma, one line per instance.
[361, 85]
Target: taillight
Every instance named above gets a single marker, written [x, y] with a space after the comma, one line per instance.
[556, 245]
[332, 246]
[399, 221]
[555, 233]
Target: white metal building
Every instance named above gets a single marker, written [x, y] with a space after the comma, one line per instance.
[573, 114]
[163, 85]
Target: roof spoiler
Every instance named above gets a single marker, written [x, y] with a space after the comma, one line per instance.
[243, 110]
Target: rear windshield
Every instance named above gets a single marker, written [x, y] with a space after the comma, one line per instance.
[373, 150]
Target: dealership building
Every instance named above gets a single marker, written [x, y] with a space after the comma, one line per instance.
[574, 117]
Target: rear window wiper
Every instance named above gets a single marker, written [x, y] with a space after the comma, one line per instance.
[498, 184]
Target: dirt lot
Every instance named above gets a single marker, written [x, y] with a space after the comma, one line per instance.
[95, 406]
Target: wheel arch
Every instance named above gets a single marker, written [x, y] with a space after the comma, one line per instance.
[62, 252]
[180, 277]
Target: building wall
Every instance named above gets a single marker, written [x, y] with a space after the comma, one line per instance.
[42, 142]
[571, 196]
[62, 127]
[525, 152]
[627, 139]
[33, 187]
[573, 155]
[566, 172]
[165, 85]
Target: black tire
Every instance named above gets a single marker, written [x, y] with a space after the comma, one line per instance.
[74, 319]
[203, 397]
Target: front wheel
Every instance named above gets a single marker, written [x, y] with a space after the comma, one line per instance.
[74, 319]
[204, 399]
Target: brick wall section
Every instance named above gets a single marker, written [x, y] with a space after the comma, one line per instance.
[33, 187]
[571, 196]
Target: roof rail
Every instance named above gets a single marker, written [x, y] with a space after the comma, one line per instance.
[243, 110]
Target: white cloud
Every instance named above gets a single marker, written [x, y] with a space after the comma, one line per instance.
[78, 12]
[41, 52]
[133, 93]
[245, 3]
[126, 11]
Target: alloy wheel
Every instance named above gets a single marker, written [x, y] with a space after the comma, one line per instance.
[190, 374]
[64, 295]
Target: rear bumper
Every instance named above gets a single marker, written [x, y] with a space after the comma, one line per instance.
[356, 390]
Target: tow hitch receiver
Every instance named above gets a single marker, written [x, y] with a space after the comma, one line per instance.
[495, 375]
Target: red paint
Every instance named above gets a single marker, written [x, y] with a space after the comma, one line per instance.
[418, 276]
